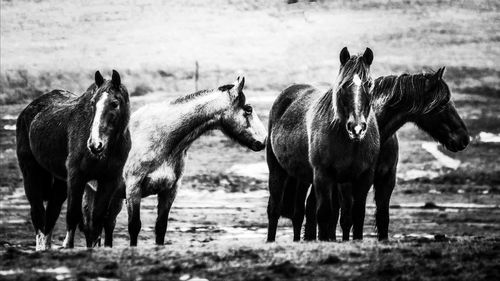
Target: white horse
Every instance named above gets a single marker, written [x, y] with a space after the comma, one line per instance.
[161, 135]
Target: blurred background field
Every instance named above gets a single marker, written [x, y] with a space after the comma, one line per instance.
[155, 45]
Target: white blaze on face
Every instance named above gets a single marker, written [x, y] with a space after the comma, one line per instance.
[357, 95]
[99, 109]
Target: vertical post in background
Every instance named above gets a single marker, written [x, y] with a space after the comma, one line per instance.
[196, 76]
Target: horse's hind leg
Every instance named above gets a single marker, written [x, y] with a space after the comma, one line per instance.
[299, 212]
[165, 200]
[277, 177]
[311, 223]
[133, 200]
[37, 184]
[54, 204]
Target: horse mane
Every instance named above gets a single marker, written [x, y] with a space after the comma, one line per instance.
[408, 90]
[191, 96]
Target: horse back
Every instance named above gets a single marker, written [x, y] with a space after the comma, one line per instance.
[288, 129]
[42, 131]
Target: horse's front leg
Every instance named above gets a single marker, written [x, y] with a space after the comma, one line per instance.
[165, 199]
[310, 228]
[345, 190]
[360, 192]
[323, 186]
[76, 185]
[133, 200]
[102, 198]
[115, 206]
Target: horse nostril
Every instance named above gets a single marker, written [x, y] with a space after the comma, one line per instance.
[99, 146]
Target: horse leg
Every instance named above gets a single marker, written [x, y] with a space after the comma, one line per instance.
[37, 183]
[101, 202]
[115, 206]
[56, 200]
[346, 215]
[335, 218]
[361, 188]
[299, 212]
[76, 186]
[277, 177]
[311, 223]
[383, 186]
[323, 186]
[133, 200]
[165, 199]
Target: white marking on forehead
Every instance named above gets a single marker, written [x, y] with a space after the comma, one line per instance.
[356, 80]
[357, 94]
[99, 109]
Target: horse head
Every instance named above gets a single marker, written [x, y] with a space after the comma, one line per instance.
[240, 121]
[111, 112]
[353, 99]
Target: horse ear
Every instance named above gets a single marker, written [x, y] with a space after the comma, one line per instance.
[368, 56]
[115, 79]
[241, 84]
[344, 56]
[439, 73]
[240, 98]
[99, 80]
[226, 87]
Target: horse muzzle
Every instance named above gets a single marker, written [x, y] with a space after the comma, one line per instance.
[258, 145]
[458, 143]
[356, 131]
[96, 148]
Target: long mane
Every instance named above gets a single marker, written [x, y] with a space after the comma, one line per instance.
[408, 91]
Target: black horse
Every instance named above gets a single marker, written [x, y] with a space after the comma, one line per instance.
[65, 141]
[423, 99]
[328, 139]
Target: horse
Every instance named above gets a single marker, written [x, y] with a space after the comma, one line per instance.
[423, 99]
[162, 133]
[329, 139]
[65, 141]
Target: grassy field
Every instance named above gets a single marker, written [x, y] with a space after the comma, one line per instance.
[218, 222]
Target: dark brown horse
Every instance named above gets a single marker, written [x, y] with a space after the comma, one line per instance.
[328, 139]
[65, 141]
[423, 99]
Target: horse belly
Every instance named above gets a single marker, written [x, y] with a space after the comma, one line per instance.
[48, 143]
[291, 150]
[160, 179]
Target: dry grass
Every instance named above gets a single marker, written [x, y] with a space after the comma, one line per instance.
[48, 44]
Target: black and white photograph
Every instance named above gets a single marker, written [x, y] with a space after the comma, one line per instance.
[202, 140]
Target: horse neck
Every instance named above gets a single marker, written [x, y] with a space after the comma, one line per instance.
[394, 107]
[196, 116]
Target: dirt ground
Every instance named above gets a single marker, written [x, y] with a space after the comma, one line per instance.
[445, 223]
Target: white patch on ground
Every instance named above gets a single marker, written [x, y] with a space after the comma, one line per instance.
[9, 127]
[10, 272]
[445, 160]
[9, 117]
[488, 137]
[257, 170]
[62, 272]
[416, 174]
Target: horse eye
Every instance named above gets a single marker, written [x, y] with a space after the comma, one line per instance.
[114, 104]
[248, 109]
